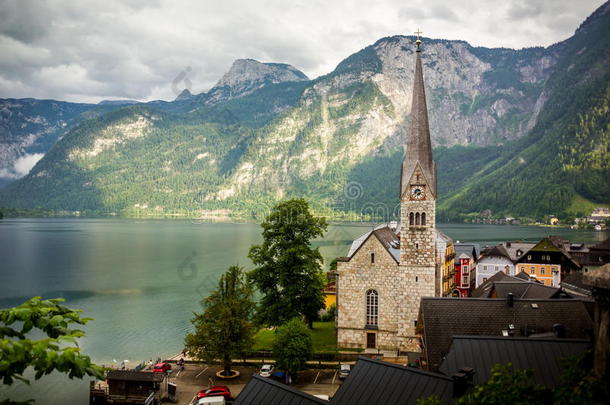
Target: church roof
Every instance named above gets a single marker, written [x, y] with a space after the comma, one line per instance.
[491, 316]
[387, 237]
[419, 146]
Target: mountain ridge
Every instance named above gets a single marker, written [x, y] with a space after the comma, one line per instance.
[313, 138]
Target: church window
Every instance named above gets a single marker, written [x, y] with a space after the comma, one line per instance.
[423, 218]
[411, 219]
[417, 219]
[416, 279]
[372, 307]
[372, 257]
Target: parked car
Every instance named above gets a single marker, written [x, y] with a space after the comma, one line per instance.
[266, 370]
[215, 391]
[344, 371]
[162, 367]
[212, 401]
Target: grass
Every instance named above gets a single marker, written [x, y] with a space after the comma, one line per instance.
[322, 335]
[584, 206]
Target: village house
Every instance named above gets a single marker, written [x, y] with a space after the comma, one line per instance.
[547, 262]
[464, 265]
[491, 261]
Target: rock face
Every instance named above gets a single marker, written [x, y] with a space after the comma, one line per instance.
[247, 75]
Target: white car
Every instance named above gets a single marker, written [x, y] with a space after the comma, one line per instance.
[266, 370]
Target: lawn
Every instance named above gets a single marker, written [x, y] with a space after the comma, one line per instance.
[322, 335]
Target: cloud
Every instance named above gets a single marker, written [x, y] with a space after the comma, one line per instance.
[88, 51]
[21, 166]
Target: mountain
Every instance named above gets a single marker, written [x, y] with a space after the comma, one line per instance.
[248, 75]
[562, 166]
[266, 132]
[29, 127]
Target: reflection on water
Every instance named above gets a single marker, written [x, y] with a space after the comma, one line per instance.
[141, 280]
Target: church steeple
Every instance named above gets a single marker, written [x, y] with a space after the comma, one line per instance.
[419, 146]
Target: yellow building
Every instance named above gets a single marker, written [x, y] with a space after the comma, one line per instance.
[448, 270]
[549, 274]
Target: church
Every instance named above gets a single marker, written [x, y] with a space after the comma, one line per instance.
[390, 268]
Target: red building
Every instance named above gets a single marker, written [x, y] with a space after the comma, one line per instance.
[465, 259]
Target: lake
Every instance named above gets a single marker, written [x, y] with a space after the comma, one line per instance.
[141, 280]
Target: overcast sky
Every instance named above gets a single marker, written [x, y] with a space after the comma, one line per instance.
[92, 50]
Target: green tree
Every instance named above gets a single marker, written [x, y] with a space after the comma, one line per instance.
[58, 351]
[292, 346]
[508, 386]
[289, 271]
[225, 328]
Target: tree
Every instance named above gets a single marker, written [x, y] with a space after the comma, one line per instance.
[289, 271]
[508, 386]
[292, 346]
[225, 328]
[58, 351]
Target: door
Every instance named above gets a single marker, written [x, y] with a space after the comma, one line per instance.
[370, 340]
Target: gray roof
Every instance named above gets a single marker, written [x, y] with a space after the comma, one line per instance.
[485, 289]
[523, 289]
[517, 246]
[376, 382]
[541, 355]
[446, 317]
[265, 391]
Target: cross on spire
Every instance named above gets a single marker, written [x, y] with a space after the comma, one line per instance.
[418, 41]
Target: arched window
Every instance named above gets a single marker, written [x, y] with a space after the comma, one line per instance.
[372, 307]
[417, 219]
[411, 219]
[423, 218]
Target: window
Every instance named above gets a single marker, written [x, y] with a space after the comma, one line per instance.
[529, 257]
[423, 218]
[465, 268]
[532, 270]
[485, 268]
[542, 270]
[372, 257]
[484, 279]
[411, 218]
[497, 269]
[465, 280]
[417, 219]
[372, 307]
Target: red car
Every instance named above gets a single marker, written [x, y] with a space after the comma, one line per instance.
[161, 367]
[215, 391]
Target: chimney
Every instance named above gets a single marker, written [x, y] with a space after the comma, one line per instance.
[559, 330]
[510, 299]
[462, 381]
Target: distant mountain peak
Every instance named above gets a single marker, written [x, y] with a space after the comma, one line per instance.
[184, 95]
[248, 75]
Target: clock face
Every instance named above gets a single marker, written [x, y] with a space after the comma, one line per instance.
[417, 192]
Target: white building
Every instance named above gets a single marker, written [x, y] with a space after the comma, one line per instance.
[491, 261]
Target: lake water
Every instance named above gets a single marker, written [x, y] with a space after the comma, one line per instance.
[141, 280]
